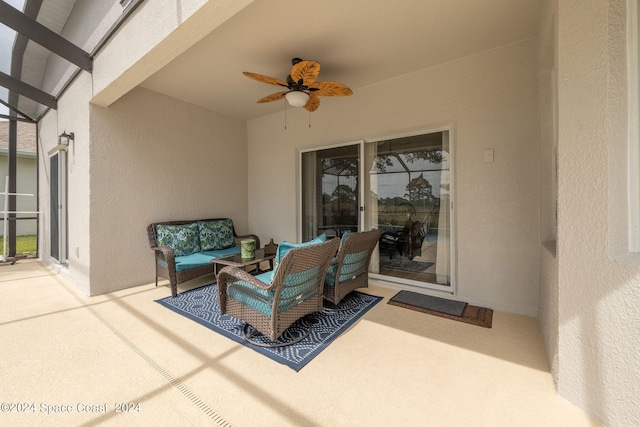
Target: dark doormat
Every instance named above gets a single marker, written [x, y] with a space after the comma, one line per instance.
[441, 307]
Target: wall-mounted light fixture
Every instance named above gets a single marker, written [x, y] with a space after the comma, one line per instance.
[65, 138]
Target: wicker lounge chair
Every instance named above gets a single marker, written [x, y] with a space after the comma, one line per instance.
[270, 307]
[350, 268]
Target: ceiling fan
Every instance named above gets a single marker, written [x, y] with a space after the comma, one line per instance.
[302, 88]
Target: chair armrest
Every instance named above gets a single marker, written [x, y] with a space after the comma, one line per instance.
[230, 274]
[167, 254]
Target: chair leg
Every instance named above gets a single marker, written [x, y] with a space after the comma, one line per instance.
[249, 334]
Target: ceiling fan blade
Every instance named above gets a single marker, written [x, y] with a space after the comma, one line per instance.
[273, 97]
[313, 103]
[265, 79]
[305, 70]
[330, 89]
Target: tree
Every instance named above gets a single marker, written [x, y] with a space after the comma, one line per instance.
[420, 189]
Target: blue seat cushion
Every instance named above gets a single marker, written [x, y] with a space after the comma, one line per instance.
[200, 259]
[344, 237]
[352, 266]
[297, 287]
[220, 253]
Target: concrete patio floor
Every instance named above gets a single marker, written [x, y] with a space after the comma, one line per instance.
[73, 360]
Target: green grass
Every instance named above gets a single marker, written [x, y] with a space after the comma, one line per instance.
[24, 245]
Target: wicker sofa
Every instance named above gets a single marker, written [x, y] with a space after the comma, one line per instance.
[184, 249]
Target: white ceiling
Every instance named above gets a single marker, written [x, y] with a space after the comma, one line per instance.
[357, 42]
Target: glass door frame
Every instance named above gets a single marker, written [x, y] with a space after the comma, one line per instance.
[59, 246]
[364, 187]
[361, 187]
[414, 284]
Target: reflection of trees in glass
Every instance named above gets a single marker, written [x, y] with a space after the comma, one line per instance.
[341, 202]
[383, 161]
[419, 189]
[340, 166]
[343, 198]
[343, 193]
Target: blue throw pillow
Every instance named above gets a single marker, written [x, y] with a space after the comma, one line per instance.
[183, 239]
[285, 247]
[344, 237]
[216, 235]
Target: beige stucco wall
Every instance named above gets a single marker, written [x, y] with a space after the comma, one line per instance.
[146, 158]
[489, 100]
[72, 116]
[154, 158]
[600, 327]
[599, 324]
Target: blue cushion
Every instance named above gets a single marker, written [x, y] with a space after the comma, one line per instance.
[201, 259]
[264, 277]
[192, 261]
[297, 287]
[215, 235]
[183, 239]
[252, 296]
[223, 252]
[344, 237]
[352, 266]
[285, 247]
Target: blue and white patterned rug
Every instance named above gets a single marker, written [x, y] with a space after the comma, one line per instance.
[202, 305]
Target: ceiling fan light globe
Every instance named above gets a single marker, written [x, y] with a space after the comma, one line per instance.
[297, 98]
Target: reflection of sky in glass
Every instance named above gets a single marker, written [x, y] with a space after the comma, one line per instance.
[7, 37]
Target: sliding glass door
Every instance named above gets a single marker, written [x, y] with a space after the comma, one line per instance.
[331, 191]
[399, 185]
[410, 189]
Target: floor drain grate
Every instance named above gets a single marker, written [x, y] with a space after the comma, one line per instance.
[219, 420]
